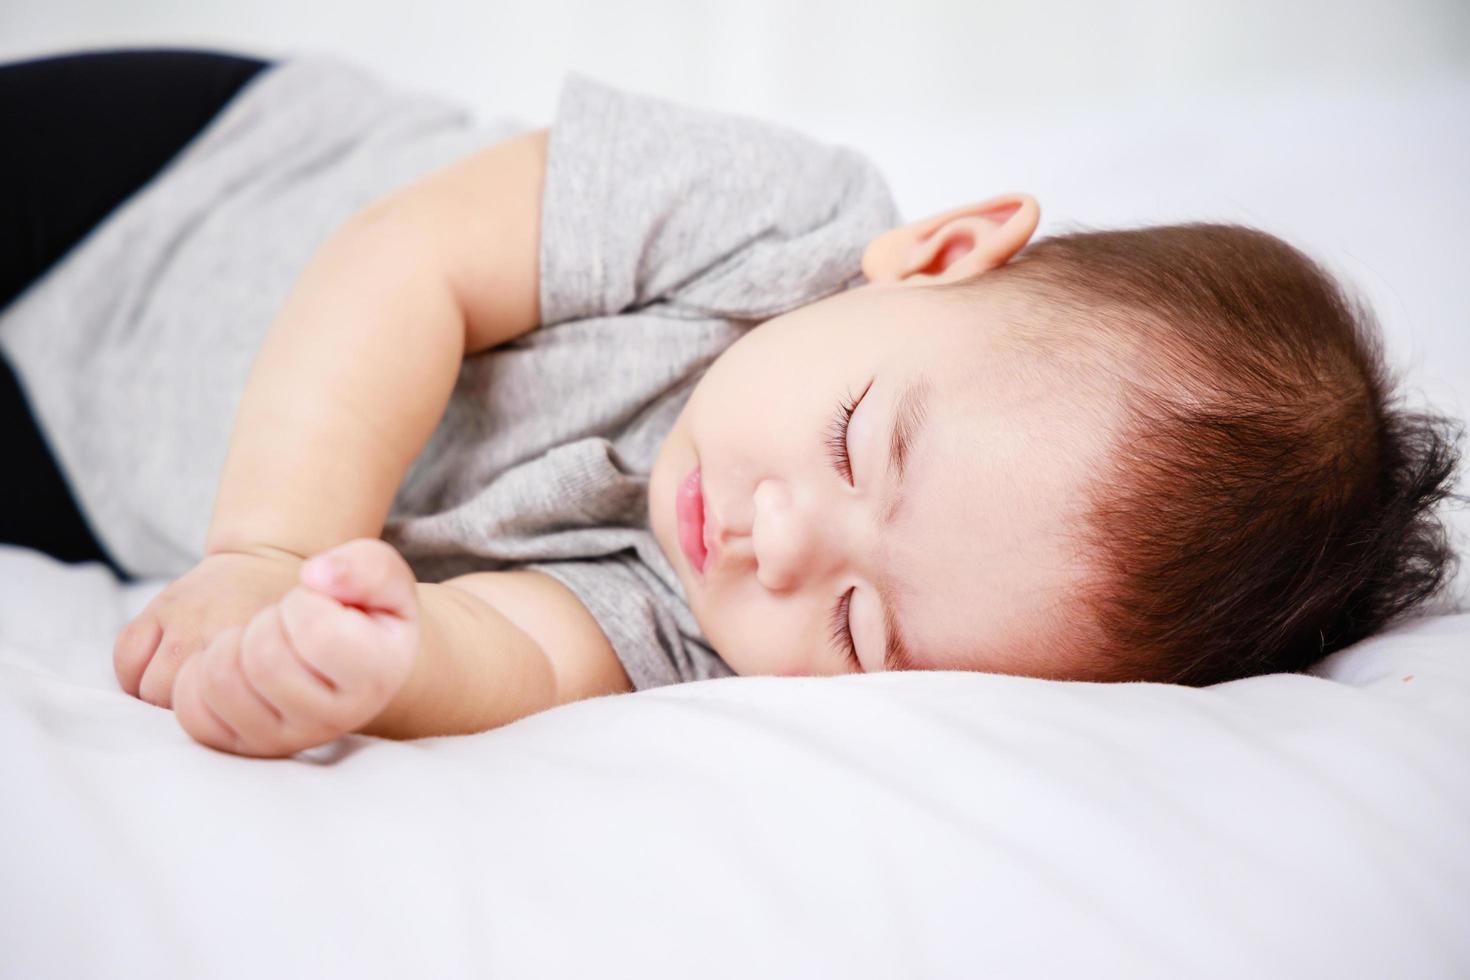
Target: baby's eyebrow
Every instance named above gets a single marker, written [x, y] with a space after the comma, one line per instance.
[910, 413]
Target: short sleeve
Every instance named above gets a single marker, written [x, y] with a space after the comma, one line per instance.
[648, 201]
[648, 628]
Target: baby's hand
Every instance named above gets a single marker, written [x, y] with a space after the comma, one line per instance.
[322, 662]
[222, 591]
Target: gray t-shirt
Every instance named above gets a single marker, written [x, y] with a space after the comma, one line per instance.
[667, 231]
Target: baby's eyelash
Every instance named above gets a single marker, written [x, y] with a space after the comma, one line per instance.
[842, 633]
[842, 462]
[837, 437]
[837, 434]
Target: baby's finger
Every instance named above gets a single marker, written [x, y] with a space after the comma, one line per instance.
[305, 697]
[133, 648]
[341, 642]
[365, 572]
[174, 648]
[196, 717]
[224, 688]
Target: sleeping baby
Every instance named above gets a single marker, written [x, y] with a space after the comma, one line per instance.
[660, 394]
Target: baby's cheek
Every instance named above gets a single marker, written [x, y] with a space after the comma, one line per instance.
[749, 652]
[786, 659]
[756, 634]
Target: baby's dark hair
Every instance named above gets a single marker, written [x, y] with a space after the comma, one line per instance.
[1269, 500]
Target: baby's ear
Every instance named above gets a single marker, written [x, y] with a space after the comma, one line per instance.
[956, 244]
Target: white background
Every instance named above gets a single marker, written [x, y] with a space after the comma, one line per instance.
[806, 59]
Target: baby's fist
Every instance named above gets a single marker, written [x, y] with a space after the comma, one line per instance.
[322, 662]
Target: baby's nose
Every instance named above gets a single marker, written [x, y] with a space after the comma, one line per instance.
[785, 537]
[725, 545]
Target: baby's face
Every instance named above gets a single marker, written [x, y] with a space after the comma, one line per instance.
[807, 541]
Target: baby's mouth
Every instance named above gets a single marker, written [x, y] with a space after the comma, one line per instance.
[689, 511]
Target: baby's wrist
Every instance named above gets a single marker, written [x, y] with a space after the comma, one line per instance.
[257, 551]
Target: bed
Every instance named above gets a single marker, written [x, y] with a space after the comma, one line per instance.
[895, 825]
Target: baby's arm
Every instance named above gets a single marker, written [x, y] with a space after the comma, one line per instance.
[359, 645]
[356, 369]
[349, 383]
[494, 647]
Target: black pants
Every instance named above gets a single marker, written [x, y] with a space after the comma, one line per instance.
[79, 133]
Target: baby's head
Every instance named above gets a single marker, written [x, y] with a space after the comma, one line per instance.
[1164, 454]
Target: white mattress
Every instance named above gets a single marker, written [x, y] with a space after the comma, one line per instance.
[880, 826]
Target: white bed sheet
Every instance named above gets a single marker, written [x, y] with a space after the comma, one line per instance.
[872, 826]
[877, 826]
